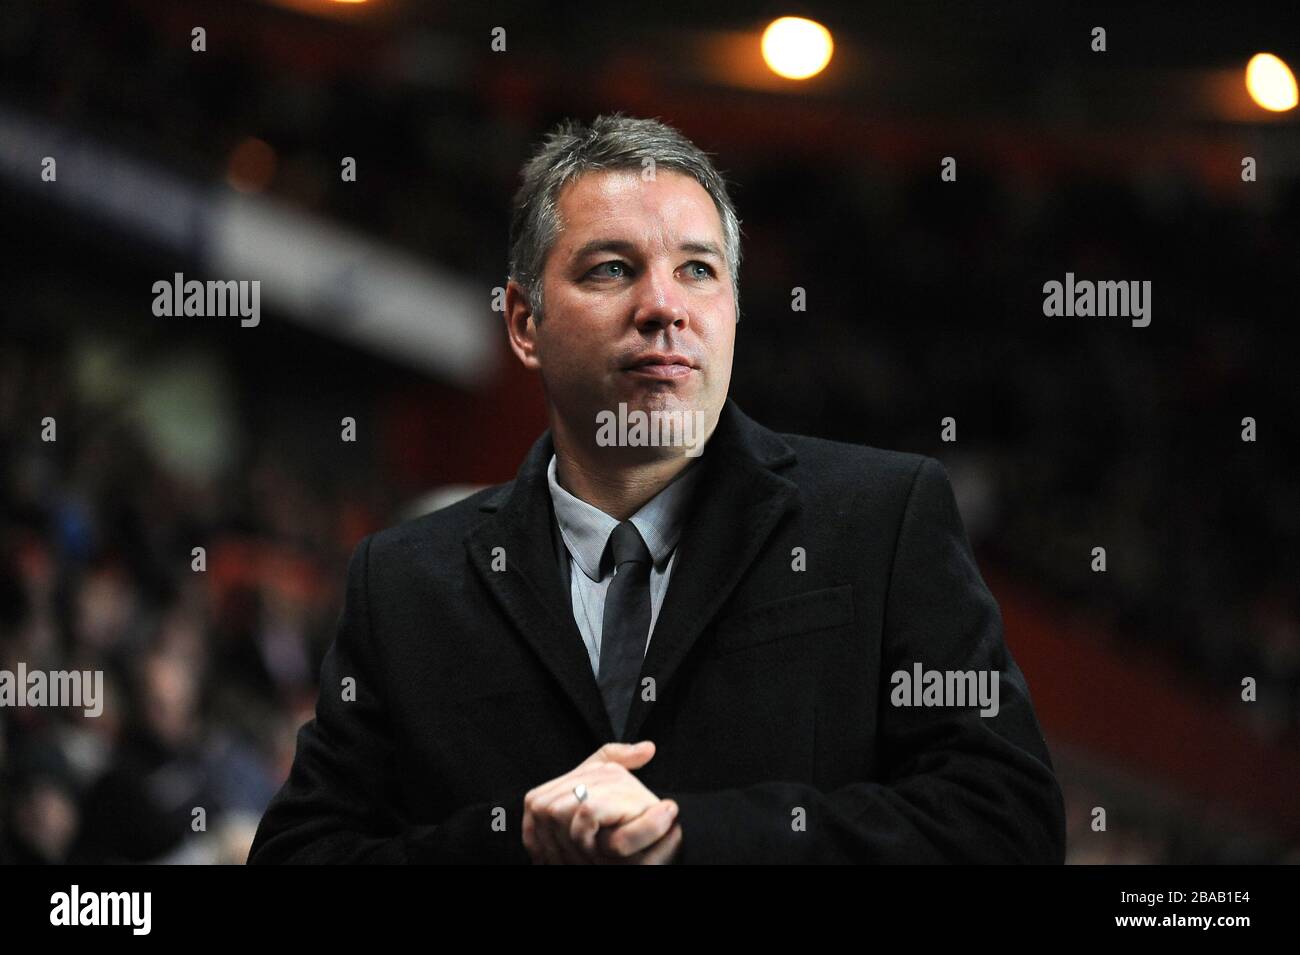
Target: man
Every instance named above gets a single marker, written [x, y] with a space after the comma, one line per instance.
[676, 645]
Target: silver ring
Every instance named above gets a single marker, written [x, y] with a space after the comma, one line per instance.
[580, 791]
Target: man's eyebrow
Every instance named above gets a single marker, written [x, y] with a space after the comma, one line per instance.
[625, 247]
[604, 245]
[701, 248]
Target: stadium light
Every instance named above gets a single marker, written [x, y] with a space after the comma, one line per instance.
[796, 48]
[1271, 83]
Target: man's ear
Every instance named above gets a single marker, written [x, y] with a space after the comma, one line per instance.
[520, 326]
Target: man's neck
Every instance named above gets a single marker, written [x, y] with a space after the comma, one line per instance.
[622, 490]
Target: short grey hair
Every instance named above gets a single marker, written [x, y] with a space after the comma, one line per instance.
[611, 141]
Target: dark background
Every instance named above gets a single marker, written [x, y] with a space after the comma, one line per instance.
[924, 300]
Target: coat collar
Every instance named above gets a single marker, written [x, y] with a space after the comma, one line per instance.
[738, 502]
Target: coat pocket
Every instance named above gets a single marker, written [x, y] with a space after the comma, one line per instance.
[801, 613]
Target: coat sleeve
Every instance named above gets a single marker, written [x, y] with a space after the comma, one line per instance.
[341, 802]
[952, 785]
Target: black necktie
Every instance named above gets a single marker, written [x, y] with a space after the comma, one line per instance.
[626, 623]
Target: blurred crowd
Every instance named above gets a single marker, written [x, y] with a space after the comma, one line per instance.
[210, 658]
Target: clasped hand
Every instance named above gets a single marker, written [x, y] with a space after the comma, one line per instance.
[621, 822]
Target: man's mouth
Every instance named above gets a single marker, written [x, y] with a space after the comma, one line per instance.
[661, 365]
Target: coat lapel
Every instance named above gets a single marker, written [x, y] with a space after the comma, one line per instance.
[530, 589]
[737, 504]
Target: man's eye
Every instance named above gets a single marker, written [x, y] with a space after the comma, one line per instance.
[617, 266]
[708, 269]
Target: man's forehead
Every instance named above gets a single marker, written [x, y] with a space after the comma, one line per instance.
[621, 199]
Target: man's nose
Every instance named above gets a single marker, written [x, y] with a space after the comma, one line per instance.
[660, 300]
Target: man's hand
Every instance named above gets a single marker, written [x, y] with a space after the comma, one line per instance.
[662, 852]
[620, 822]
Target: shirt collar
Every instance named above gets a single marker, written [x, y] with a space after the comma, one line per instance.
[586, 528]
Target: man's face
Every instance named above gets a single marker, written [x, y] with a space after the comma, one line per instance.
[637, 274]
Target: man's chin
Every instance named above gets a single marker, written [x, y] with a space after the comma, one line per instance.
[654, 425]
[647, 394]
